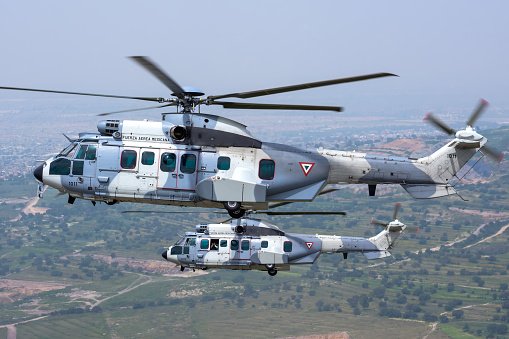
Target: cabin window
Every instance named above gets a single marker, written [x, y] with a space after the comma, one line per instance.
[147, 158]
[186, 249]
[224, 243]
[168, 162]
[187, 163]
[128, 159]
[287, 246]
[61, 166]
[176, 250]
[235, 245]
[204, 244]
[77, 167]
[214, 244]
[223, 163]
[244, 245]
[265, 244]
[266, 170]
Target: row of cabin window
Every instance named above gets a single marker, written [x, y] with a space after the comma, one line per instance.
[234, 245]
[168, 163]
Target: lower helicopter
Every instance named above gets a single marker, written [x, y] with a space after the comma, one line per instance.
[253, 244]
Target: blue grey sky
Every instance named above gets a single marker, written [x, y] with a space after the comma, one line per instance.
[447, 53]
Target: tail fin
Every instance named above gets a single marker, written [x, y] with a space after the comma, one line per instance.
[442, 166]
[385, 239]
[448, 160]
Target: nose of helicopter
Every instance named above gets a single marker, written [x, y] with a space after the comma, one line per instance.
[38, 173]
[165, 255]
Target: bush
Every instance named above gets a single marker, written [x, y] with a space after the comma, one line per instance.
[457, 314]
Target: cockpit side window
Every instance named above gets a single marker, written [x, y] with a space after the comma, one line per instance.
[87, 152]
[77, 167]
[81, 153]
[91, 150]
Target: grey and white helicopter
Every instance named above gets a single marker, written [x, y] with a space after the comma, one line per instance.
[201, 160]
[253, 244]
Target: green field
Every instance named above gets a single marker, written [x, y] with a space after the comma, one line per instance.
[94, 253]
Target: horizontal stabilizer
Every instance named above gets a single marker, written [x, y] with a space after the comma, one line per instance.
[429, 191]
[377, 254]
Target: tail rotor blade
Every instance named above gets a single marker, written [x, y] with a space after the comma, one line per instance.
[477, 113]
[397, 207]
[378, 222]
[413, 229]
[438, 123]
[493, 153]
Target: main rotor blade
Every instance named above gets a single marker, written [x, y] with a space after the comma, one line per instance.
[136, 109]
[301, 213]
[158, 73]
[79, 93]
[397, 207]
[477, 113]
[242, 105]
[437, 122]
[165, 212]
[277, 90]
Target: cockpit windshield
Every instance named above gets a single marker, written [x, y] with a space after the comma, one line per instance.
[68, 151]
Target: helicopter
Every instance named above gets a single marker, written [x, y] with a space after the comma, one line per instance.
[202, 160]
[252, 244]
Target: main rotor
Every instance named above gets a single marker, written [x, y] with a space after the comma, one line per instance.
[187, 98]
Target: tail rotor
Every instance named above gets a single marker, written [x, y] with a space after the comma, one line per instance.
[395, 224]
[468, 135]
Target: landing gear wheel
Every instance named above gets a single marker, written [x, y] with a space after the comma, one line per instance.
[272, 273]
[234, 209]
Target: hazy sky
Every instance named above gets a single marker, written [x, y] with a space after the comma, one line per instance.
[447, 53]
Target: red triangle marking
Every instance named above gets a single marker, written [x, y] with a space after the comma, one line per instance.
[309, 245]
[306, 167]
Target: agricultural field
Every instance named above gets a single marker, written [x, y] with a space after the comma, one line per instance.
[92, 271]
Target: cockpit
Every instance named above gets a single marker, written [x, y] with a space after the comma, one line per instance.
[71, 159]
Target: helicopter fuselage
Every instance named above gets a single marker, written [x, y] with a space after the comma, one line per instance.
[206, 161]
[252, 244]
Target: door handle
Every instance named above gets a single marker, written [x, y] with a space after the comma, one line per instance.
[181, 176]
[174, 175]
